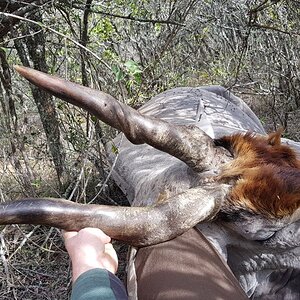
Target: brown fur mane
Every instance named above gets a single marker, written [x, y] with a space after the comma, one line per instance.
[267, 174]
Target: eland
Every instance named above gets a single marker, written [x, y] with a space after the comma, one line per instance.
[191, 158]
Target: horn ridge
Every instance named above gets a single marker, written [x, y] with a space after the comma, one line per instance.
[188, 143]
[137, 226]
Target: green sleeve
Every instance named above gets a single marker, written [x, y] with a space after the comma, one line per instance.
[98, 284]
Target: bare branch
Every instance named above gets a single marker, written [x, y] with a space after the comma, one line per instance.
[268, 27]
[18, 10]
[132, 18]
[264, 5]
[58, 33]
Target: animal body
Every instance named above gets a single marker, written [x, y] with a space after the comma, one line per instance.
[191, 157]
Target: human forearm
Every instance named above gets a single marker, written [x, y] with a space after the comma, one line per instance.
[98, 284]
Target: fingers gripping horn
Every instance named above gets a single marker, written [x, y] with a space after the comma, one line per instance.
[188, 143]
[137, 226]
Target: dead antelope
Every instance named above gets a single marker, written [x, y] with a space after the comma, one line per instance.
[193, 161]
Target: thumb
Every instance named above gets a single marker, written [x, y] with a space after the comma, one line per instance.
[111, 261]
[69, 234]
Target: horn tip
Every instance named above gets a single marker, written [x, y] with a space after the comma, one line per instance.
[19, 69]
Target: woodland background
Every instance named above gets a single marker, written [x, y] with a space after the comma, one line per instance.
[131, 50]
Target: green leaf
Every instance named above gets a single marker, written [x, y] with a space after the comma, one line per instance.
[118, 73]
[157, 28]
[104, 29]
[133, 67]
[36, 183]
[3, 49]
[138, 78]
[94, 119]
[114, 149]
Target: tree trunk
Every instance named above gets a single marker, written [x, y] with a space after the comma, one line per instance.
[9, 124]
[32, 53]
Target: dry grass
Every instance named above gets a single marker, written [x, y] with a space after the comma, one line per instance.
[33, 261]
[272, 117]
[35, 265]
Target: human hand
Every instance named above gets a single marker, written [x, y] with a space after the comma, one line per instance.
[90, 248]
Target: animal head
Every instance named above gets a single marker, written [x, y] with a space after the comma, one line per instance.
[246, 172]
[266, 174]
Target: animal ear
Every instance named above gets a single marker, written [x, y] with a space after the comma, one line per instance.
[274, 138]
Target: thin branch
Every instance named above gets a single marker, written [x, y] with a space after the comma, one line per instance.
[130, 17]
[262, 26]
[265, 4]
[22, 243]
[3, 252]
[58, 33]
[20, 37]
[20, 12]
